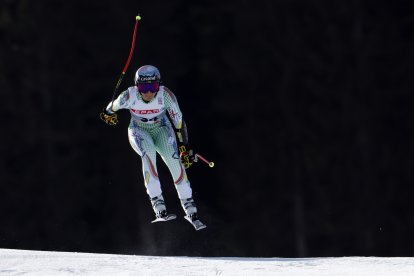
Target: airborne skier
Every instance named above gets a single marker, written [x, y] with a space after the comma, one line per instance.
[151, 131]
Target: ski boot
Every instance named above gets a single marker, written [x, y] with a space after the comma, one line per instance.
[161, 214]
[191, 213]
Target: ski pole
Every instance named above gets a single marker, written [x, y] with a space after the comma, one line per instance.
[210, 164]
[138, 18]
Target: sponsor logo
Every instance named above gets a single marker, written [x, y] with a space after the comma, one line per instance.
[148, 78]
[172, 114]
[149, 111]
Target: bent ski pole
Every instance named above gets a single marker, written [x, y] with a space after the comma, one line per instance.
[138, 18]
[210, 164]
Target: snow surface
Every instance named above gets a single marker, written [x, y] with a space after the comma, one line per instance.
[45, 263]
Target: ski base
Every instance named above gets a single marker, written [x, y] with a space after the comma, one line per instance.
[198, 225]
[166, 218]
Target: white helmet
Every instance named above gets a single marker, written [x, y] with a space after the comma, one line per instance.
[147, 73]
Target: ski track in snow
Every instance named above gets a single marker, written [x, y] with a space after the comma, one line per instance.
[46, 263]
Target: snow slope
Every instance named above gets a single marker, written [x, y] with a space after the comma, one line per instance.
[21, 262]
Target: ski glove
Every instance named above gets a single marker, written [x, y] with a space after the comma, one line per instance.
[110, 118]
[186, 155]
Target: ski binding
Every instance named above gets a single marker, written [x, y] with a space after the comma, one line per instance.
[165, 218]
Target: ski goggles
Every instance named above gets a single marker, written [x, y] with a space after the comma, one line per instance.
[147, 87]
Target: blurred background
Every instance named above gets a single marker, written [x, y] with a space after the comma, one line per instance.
[304, 106]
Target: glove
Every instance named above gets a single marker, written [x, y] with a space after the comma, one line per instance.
[186, 155]
[109, 118]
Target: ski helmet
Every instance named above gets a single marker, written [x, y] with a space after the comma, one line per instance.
[147, 73]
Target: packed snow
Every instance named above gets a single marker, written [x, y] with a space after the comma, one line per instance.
[45, 263]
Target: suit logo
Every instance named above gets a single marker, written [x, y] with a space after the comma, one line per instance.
[149, 111]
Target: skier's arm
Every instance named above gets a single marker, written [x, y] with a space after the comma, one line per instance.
[108, 115]
[174, 112]
[182, 134]
[122, 102]
[186, 153]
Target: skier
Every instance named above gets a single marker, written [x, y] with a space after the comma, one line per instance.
[151, 131]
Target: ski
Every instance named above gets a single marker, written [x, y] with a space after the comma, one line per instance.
[166, 218]
[198, 225]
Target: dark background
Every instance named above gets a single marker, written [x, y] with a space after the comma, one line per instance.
[304, 106]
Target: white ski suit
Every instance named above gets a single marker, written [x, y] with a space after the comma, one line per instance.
[150, 132]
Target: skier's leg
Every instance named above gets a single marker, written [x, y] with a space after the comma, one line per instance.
[143, 144]
[166, 145]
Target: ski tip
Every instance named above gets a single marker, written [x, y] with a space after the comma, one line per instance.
[197, 224]
[201, 227]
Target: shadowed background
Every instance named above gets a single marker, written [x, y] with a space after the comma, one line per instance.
[304, 106]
